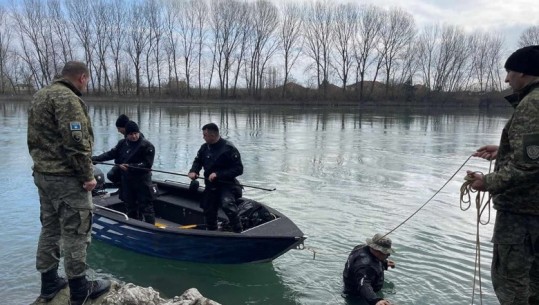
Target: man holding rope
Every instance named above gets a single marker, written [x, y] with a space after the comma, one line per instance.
[514, 186]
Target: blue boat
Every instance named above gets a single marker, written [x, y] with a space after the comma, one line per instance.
[179, 232]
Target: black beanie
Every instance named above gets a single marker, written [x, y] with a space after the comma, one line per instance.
[524, 60]
[122, 120]
[131, 127]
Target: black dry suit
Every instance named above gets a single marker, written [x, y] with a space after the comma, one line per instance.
[363, 274]
[136, 182]
[223, 159]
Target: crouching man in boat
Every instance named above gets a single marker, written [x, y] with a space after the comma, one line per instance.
[115, 173]
[222, 164]
[60, 140]
[363, 273]
[134, 156]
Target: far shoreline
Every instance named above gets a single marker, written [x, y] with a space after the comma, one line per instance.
[464, 103]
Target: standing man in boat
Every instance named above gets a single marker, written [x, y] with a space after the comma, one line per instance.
[363, 273]
[60, 140]
[134, 157]
[222, 164]
[514, 185]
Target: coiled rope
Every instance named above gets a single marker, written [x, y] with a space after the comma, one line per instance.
[466, 192]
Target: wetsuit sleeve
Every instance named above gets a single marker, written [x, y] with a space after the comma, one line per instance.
[109, 155]
[365, 276]
[77, 135]
[197, 163]
[523, 133]
[235, 167]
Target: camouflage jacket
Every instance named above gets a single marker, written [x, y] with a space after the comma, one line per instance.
[514, 184]
[60, 135]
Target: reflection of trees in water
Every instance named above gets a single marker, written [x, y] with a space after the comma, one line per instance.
[226, 284]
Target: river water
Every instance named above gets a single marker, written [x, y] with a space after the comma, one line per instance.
[342, 174]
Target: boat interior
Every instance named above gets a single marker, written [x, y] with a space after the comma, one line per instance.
[177, 206]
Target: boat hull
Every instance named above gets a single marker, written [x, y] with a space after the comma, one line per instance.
[259, 244]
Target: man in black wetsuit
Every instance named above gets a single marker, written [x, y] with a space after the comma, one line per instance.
[363, 273]
[134, 156]
[115, 174]
[222, 164]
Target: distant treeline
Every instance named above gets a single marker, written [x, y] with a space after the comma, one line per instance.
[249, 50]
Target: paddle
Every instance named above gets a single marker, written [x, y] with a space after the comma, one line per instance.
[185, 175]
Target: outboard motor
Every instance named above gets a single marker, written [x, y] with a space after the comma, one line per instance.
[100, 178]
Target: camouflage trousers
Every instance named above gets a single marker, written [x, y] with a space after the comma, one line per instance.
[515, 262]
[66, 222]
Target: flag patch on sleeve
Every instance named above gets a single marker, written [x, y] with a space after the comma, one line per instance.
[75, 126]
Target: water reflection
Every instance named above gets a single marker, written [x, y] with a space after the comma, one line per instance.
[228, 284]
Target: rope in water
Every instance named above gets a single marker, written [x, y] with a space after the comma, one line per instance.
[414, 213]
[466, 199]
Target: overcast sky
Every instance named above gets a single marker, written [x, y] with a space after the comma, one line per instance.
[508, 17]
[470, 14]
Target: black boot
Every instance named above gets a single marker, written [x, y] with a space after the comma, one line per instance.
[149, 218]
[237, 228]
[81, 289]
[51, 284]
[235, 223]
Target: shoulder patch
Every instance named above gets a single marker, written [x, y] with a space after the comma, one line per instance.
[75, 126]
[530, 144]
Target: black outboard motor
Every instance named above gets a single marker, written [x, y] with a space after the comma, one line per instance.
[100, 178]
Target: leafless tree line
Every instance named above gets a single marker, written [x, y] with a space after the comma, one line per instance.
[231, 48]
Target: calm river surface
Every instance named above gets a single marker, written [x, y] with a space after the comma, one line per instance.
[342, 174]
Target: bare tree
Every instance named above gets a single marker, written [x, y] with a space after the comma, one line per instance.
[452, 58]
[346, 24]
[154, 16]
[290, 38]
[138, 37]
[172, 15]
[426, 49]
[398, 32]
[81, 18]
[201, 9]
[103, 25]
[371, 20]
[34, 30]
[265, 20]
[484, 60]
[318, 38]
[188, 30]
[530, 36]
[246, 40]
[5, 51]
[116, 38]
[226, 33]
[60, 28]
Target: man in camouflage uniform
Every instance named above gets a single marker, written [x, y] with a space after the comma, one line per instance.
[514, 186]
[60, 140]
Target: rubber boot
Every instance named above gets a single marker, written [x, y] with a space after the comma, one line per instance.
[51, 284]
[235, 223]
[81, 289]
[149, 218]
[237, 228]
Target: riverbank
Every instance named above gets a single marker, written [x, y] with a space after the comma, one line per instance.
[134, 295]
[495, 101]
